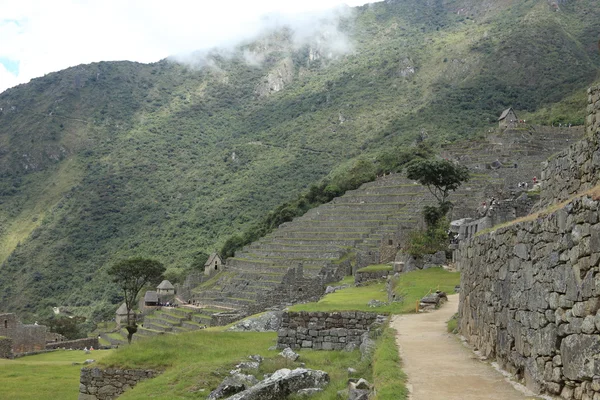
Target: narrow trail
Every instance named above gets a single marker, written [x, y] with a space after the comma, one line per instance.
[439, 367]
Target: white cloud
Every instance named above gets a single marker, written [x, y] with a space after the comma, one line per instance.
[46, 36]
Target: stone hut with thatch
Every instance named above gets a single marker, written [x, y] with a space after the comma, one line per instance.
[213, 265]
[151, 298]
[121, 315]
[165, 288]
[508, 119]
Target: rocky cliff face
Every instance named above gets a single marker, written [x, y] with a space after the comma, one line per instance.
[277, 79]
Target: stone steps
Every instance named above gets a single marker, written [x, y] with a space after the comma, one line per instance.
[266, 254]
[365, 228]
[294, 247]
[157, 326]
[322, 235]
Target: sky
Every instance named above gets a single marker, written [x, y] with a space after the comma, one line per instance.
[42, 36]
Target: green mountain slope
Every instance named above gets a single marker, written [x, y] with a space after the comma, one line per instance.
[111, 160]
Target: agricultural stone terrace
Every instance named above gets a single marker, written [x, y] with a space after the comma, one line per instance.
[166, 321]
[366, 226]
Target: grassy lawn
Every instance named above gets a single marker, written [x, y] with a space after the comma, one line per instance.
[411, 287]
[44, 376]
[196, 362]
[376, 268]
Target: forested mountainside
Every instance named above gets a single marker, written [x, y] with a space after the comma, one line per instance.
[115, 159]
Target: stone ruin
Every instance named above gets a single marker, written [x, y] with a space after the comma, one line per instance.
[530, 292]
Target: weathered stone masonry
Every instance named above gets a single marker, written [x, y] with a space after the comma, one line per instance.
[6, 347]
[107, 384]
[578, 168]
[322, 330]
[530, 296]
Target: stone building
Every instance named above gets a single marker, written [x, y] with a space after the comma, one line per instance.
[25, 338]
[165, 288]
[508, 119]
[121, 315]
[213, 265]
[151, 298]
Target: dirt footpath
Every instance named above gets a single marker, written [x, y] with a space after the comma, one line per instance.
[439, 367]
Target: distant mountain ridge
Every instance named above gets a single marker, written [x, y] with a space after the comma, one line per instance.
[114, 159]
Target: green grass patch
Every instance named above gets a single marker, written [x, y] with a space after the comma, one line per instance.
[195, 363]
[388, 377]
[376, 268]
[452, 324]
[411, 287]
[45, 376]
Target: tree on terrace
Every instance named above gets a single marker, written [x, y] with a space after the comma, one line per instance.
[440, 177]
[131, 276]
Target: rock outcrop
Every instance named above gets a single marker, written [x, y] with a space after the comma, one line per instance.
[283, 383]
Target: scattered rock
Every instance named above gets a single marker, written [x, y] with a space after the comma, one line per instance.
[256, 358]
[362, 384]
[309, 392]
[367, 346]
[376, 303]
[333, 289]
[357, 394]
[289, 354]
[284, 382]
[351, 371]
[248, 365]
[89, 361]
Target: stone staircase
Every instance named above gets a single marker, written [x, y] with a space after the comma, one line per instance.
[365, 220]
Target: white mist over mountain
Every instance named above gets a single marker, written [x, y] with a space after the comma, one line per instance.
[38, 37]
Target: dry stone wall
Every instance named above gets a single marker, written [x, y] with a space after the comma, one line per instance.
[78, 344]
[578, 168]
[365, 276]
[107, 384]
[323, 330]
[6, 347]
[530, 297]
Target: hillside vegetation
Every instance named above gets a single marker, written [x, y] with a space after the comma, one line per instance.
[117, 159]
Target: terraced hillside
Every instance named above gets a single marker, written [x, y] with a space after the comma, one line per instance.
[359, 226]
[166, 321]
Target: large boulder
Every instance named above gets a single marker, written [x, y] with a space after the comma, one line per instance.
[233, 384]
[265, 322]
[283, 383]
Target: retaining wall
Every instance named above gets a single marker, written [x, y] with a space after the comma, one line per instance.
[577, 168]
[78, 344]
[322, 330]
[530, 297]
[106, 384]
[361, 277]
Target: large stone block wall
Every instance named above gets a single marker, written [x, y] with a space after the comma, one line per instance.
[530, 297]
[322, 330]
[6, 347]
[577, 168]
[108, 384]
[78, 344]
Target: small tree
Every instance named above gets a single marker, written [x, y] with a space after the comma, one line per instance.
[131, 276]
[440, 177]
